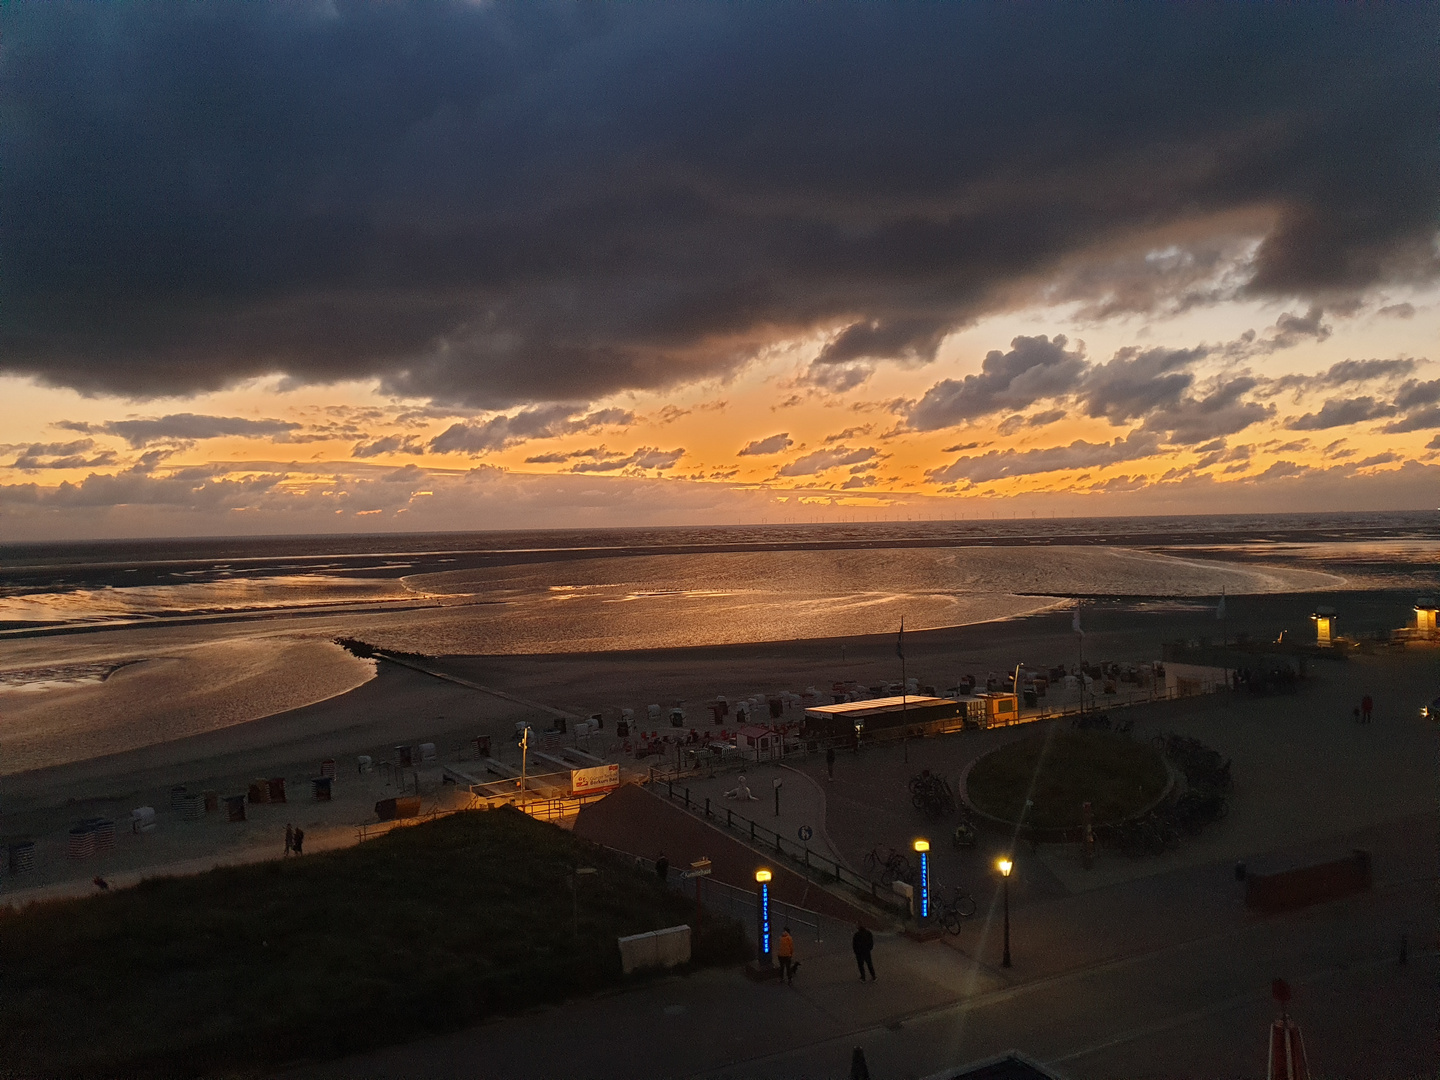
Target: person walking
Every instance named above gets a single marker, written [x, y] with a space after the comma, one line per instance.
[864, 944]
[786, 952]
[662, 868]
[830, 762]
[1366, 708]
[299, 840]
[289, 838]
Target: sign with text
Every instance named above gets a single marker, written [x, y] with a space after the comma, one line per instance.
[589, 781]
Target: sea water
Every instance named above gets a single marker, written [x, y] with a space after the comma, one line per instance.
[108, 646]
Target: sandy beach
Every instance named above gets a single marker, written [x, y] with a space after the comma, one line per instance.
[395, 705]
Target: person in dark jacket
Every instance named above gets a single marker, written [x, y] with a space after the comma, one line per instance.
[864, 944]
[299, 840]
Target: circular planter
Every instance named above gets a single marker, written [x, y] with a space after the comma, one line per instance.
[1058, 834]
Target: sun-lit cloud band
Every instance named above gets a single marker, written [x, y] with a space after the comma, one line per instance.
[341, 266]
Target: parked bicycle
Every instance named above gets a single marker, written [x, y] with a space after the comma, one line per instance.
[887, 866]
[931, 795]
[952, 906]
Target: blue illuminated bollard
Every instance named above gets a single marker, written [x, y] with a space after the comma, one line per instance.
[762, 914]
[922, 848]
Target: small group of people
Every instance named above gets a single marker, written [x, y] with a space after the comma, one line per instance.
[294, 839]
[1363, 711]
[862, 942]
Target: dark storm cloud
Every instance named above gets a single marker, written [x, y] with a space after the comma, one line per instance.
[491, 204]
[1290, 330]
[647, 457]
[832, 458]
[1223, 411]
[1420, 402]
[773, 445]
[1034, 368]
[70, 455]
[1348, 372]
[1136, 382]
[388, 444]
[542, 422]
[1000, 464]
[1340, 412]
[185, 427]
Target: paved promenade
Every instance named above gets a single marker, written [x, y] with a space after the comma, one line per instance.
[1139, 968]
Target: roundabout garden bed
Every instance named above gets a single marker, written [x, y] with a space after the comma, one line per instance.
[1062, 770]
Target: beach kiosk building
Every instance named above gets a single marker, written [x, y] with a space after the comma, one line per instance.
[989, 708]
[1425, 614]
[877, 714]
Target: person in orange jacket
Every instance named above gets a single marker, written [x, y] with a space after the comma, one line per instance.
[786, 952]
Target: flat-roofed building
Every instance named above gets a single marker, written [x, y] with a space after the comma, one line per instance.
[846, 717]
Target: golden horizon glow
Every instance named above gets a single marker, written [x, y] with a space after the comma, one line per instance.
[763, 446]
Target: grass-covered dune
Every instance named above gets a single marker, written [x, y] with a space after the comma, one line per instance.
[243, 968]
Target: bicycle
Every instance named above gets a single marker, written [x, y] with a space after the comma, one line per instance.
[888, 866]
[931, 795]
[961, 905]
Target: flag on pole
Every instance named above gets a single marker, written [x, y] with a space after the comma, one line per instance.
[1075, 621]
[900, 640]
[1220, 607]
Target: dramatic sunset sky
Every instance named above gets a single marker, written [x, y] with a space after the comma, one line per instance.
[344, 266]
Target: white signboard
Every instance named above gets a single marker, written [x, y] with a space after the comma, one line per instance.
[600, 778]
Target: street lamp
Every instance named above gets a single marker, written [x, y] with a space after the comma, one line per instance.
[1005, 866]
[922, 848]
[762, 913]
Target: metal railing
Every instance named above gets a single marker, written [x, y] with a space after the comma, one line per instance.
[540, 809]
[716, 895]
[723, 898]
[817, 867]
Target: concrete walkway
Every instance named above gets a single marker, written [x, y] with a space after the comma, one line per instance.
[1140, 968]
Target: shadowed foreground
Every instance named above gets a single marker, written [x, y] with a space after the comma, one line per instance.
[422, 930]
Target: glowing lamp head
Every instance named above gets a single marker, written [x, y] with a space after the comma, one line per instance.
[1004, 866]
[762, 876]
[922, 845]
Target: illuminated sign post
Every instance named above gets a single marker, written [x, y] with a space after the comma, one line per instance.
[762, 911]
[922, 848]
[1005, 866]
